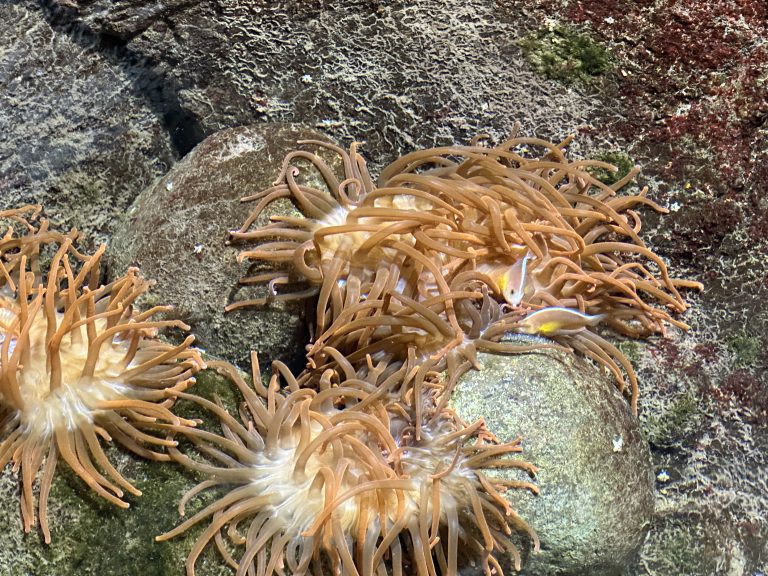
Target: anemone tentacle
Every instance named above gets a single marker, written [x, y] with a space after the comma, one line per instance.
[332, 472]
[533, 231]
[78, 366]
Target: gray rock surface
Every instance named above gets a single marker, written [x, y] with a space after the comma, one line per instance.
[705, 414]
[177, 230]
[77, 131]
[595, 474]
[395, 74]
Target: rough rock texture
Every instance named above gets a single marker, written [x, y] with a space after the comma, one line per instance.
[595, 474]
[177, 230]
[395, 74]
[92, 537]
[687, 101]
[78, 130]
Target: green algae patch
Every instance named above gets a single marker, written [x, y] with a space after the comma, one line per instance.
[92, 536]
[214, 387]
[632, 350]
[745, 349]
[130, 533]
[565, 54]
[617, 158]
[664, 428]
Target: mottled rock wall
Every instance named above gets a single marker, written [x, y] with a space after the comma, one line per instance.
[395, 74]
[97, 99]
[78, 131]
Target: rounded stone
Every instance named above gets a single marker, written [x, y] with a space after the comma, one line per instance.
[595, 474]
[177, 232]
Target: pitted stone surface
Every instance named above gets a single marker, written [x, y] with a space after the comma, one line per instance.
[77, 132]
[397, 75]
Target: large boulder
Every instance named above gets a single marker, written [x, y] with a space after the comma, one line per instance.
[177, 232]
[595, 475]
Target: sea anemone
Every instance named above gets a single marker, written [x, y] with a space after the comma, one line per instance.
[535, 231]
[332, 477]
[416, 335]
[452, 250]
[78, 366]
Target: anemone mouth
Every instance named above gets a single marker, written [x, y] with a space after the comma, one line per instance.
[333, 477]
[79, 367]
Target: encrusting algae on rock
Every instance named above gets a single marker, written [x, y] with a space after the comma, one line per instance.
[78, 365]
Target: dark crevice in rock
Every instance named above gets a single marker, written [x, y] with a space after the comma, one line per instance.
[156, 89]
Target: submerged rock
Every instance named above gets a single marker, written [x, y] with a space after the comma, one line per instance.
[177, 232]
[595, 474]
[78, 133]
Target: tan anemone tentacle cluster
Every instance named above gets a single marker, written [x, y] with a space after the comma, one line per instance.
[535, 231]
[332, 477]
[78, 365]
[358, 462]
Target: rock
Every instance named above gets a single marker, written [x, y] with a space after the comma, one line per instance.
[177, 230]
[76, 132]
[707, 421]
[122, 20]
[398, 75]
[694, 542]
[595, 474]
